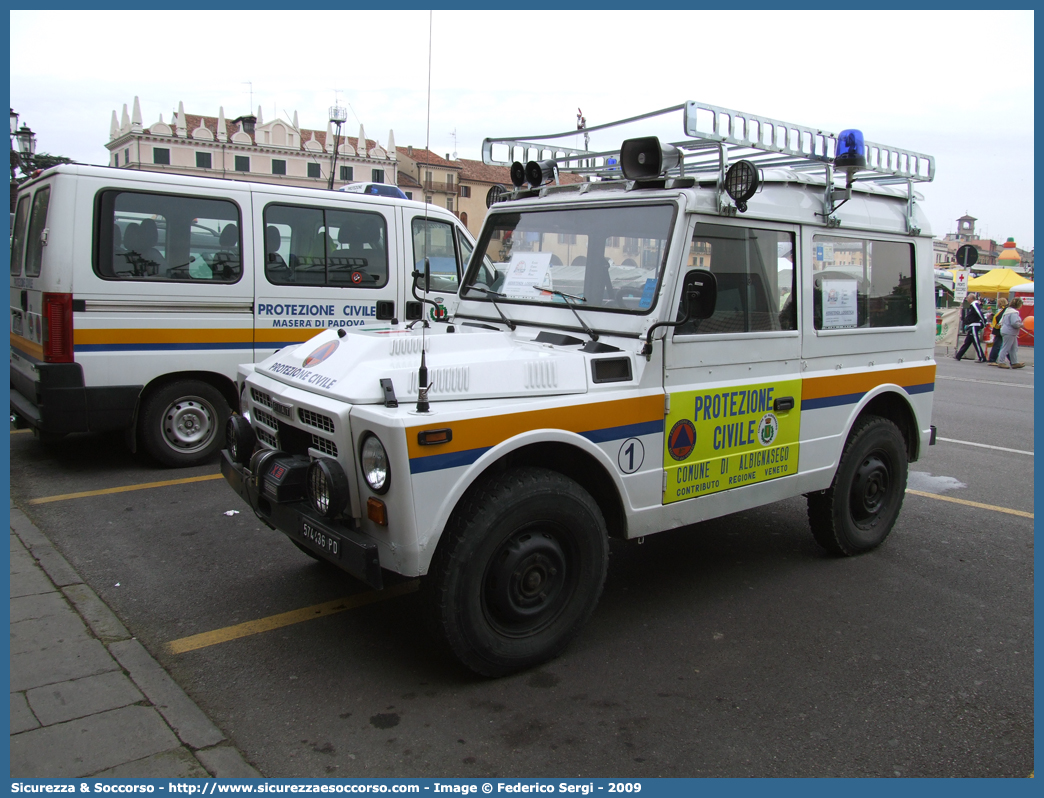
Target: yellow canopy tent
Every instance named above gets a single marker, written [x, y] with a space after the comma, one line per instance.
[997, 281]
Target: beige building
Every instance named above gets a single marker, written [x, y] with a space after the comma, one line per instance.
[247, 148]
[436, 179]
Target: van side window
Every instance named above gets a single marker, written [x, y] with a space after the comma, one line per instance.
[857, 282]
[165, 237]
[435, 240]
[324, 246]
[37, 225]
[18, 235]
[756, 278]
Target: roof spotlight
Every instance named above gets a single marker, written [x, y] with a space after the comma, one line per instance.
[518, 174]
[741, 183]
[851, 152]
[645, 157]
[539, 172]
[497, 193]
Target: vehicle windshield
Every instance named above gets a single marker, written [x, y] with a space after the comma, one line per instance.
[595, 258]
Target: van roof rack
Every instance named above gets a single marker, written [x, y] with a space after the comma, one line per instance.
[717, 137]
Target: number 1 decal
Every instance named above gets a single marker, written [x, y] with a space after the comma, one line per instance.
[632, 455]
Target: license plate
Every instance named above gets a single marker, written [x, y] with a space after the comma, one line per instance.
[323, 541]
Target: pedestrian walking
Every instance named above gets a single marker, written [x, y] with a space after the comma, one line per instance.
[1011, 326]
[995, 323]
[973, 320]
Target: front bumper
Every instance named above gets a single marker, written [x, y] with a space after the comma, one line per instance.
[355, 553]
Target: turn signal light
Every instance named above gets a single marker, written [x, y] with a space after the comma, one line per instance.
[376, 511]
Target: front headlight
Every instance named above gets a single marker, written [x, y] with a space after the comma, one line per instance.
[374, 462]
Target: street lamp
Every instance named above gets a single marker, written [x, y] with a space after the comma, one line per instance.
[14, 121]
[338, 116]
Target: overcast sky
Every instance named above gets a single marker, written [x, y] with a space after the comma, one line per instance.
[957, 85]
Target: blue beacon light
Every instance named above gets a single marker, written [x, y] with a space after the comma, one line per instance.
[851, 152]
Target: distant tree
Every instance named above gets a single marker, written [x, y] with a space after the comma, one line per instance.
[45, 160]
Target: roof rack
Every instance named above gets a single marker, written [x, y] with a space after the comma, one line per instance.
[719, 136]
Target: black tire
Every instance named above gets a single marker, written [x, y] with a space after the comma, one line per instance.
[183, 424]
[857, 512]
[518, 572]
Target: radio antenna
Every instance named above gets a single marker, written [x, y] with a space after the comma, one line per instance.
[422, 375]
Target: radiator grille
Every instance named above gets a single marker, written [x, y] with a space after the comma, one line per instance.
[324, 446]
[267, 419]
[260, 397]
[325, 423]
[266, 437]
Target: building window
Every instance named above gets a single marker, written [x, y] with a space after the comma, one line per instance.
[409, 194]
[203, 160]
[242, 163]
[117, 159]
[314, 170]
[126, 155]
[347, 173]
[449, 183]
[427, 198]
[377, 176]
[278, 166]
[161, 155]
[449, 203]
[465, 192]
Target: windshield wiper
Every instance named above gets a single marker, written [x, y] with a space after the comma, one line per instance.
[567, 298]
[491, 294]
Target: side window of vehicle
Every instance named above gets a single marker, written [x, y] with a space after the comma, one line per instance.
[317, 246]
[435, 240]
[858, 282]
[167, 238]
[18, 235]
[37, 225]
[755, 272]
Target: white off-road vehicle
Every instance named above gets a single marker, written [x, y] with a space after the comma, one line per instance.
[697, 329]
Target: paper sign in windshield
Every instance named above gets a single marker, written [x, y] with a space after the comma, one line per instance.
[525, 270]
[840, 304]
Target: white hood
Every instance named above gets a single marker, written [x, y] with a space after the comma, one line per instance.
[468, 364]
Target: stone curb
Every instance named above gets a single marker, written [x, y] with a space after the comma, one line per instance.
[205, 742]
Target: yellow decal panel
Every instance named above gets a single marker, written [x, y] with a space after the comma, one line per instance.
[725, 438]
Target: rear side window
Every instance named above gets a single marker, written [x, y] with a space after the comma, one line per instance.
[435, 240]
[18, 235]
[857, 283]
[37, 228]
[165, 237]
[324, 246]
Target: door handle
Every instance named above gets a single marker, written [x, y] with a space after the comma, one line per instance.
[783, 404]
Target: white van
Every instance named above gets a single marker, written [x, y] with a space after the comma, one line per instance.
[134, 295]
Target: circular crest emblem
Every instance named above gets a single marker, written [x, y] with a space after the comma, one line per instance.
[768, 428]
[682, 439]
[320, 354]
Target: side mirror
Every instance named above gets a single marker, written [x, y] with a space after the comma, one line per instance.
[699, 294]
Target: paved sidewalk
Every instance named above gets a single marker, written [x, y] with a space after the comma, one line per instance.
[86, 698]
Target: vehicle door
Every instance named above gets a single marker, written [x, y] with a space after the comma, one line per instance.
[447, 247]
[733, 379]
[325, 265]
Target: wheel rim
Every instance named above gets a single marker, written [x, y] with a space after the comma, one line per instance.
[871, 489]
[528, 582]
[189, 424]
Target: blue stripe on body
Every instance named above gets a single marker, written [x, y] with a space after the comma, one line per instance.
[626, 431]
[248, 345]
[852, 398]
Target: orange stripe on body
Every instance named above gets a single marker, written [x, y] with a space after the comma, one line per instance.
[491, 430]
[158, 335]
[845, 384]
[27, 347]
[281, 334]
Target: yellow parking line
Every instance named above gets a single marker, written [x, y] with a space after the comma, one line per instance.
[967, 503]
[205, 639]
[123, 489]
[21, 431]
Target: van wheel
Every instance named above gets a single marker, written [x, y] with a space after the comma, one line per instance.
[856, 513]
[519, 571]
[182, 424]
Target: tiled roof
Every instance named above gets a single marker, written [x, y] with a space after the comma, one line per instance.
[427, 157]
[406, 180]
